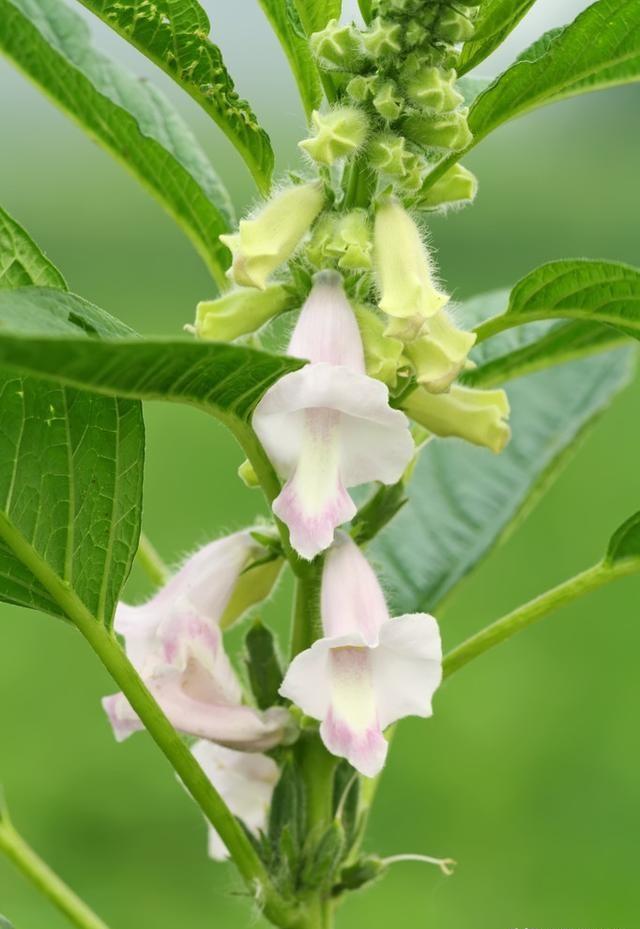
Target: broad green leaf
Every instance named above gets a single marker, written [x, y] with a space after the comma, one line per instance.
[71, 466]
[600, 48]
[495, 20]
[174, 34]
[226, 380]
[315, 14]
[285, 22]
[528, 349]
[625, 542]
[462, 499]
[603, 292]
[129, 117]
[21, 261]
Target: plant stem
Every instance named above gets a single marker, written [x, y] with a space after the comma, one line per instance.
[46, 881]
[184, 764]
[306, 608]
[151, 561]
[502, 629]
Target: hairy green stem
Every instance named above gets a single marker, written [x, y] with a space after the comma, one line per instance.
[502, 629]
[46, 880]
[306, 608]
[184, 764]
[150, 560]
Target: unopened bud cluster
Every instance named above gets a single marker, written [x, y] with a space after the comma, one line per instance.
[397, 101]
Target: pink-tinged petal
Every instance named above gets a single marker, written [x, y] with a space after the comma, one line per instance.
[314, 502]
[375, 442]
[352, 600]
[123, 718]
[245, 782]
[327, 330]
[351, 728]
[407, 667]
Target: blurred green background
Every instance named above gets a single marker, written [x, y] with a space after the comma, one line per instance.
[528, 773]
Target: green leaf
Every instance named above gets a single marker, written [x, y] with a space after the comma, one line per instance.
[495, 20]
[21, 261]
[288, 807]
[625, 542]
[285, 22]
[263, 665]
[462, 500]
[174, 34]
[71, 466]
[129, 117]
[600, 48]
[226, 380]
[528, 349]
[315, 14]
[471, 87]
[603, 292]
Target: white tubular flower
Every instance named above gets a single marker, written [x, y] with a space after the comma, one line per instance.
[174, 641]
[407, 288]
[263, 243]
[369, 670]
[328, 426]
[244, 781]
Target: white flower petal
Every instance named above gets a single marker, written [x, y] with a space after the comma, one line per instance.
[245, 782]
[375, 443]
[407, 667]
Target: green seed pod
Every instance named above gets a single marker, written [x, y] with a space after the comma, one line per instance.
[432, 89]
[387, 153]
[362, 872]
[453, 26]
[388, 101]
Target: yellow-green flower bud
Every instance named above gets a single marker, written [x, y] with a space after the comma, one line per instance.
[239, 312]
[456, 186]
[439, 353]
[353, 238]
[404, 273]
[337, 134]
[388, 153]
[454, 27]
[338, 45]
[433, 90]
[479, 416]
[247, 474]
[415, 34]
[447, 132]
[360, 87]
[382, 355]
[263, 243]
[383, 39]
[318, 248]
[388, 101]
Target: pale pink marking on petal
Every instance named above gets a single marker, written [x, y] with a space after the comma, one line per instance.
[122, 717]
[351, 728]
[314, 501]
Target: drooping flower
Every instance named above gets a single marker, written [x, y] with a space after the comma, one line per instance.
[245, 781]
[263, 243]
[479, 416]
[174, 641]
[328, 426]
[368, 670]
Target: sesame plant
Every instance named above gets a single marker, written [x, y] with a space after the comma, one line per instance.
[395, 436]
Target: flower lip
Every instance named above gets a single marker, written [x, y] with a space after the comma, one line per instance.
[376, 441]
